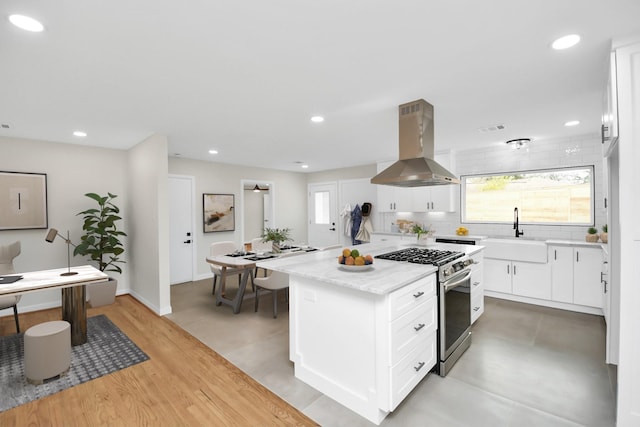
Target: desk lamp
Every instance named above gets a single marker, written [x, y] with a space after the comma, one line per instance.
[51, 235]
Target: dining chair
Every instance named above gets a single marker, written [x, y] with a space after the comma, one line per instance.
[7, 254]
[258, 245]
[274, 282]
[222, 248]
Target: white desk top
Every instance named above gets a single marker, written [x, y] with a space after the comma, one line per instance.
[46, 279]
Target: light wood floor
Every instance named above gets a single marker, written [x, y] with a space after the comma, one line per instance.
[184, 383]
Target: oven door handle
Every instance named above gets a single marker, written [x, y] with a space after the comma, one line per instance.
[448, 285]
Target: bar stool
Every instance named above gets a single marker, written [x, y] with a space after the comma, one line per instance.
[47, 351]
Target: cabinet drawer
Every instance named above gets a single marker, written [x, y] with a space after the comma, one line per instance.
[408, 297]
[407, 331]
[477, 306]
[408, 373]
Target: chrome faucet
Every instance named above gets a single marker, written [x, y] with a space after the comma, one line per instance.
[516, 222]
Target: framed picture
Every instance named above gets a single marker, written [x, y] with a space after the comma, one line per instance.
[23, 200]
[218, 212]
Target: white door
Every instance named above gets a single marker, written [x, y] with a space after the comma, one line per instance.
[181, 231]
[323, 214]
[266, 204]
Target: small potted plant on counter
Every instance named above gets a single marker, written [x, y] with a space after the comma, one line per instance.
[604, 236]
[592, 235]
[101, 242]
[276, 235]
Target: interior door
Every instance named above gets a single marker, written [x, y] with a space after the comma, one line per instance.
[266, 203]
[323, 214]
[181, 234]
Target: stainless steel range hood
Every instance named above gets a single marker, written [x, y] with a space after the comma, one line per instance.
[416, 167]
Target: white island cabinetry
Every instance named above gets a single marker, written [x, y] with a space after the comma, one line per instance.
[363, 338]
[366, 351]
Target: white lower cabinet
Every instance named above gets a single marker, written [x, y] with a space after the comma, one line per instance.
[575, 275]
[528, 279]
[365, 351]
[477, 287]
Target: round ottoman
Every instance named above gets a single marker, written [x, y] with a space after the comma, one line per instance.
[47, 351]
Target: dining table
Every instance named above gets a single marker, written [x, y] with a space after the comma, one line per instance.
[245, 261]
[72, 281]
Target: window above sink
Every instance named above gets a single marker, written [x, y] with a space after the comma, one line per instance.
[562, 196]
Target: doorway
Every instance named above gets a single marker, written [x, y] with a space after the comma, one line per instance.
[181, 229]
[258, 209]
[323, 213]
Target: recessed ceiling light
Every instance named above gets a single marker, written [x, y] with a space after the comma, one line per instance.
[79, 133]
[305, 166]
[213, 151]
[26, 23]
[317, 119]
[572, 123]
[566, 42]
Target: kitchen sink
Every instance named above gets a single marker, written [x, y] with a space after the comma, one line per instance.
[515, 249]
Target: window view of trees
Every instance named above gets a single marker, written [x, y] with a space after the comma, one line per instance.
[558, 196]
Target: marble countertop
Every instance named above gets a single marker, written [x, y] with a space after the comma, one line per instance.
[385, 276]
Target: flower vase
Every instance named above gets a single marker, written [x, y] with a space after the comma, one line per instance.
[275, 248]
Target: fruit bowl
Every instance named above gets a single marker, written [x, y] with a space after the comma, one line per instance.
[355, 267]
[353, 258]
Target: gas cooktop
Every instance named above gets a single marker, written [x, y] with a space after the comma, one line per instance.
[435, 257]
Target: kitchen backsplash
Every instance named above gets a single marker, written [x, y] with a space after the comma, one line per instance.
[541, 154]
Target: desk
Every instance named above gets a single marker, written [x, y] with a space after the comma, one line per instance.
[225, 262]
[74, 308]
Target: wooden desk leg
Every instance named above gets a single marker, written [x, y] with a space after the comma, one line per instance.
[74, 311]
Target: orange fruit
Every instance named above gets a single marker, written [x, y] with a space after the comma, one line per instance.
[359, 260]
[346, 252]
[340, 259]
[349, 260]
[368, 258]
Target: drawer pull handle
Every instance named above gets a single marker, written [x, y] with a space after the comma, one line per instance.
[476, 308]
[418, 295]
[420, 365]
[420, 326]
[476, 283]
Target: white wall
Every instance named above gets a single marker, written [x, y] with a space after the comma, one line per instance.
[72, 171]
[288, 197]
[149, 223]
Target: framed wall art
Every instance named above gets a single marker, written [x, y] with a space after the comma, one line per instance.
[23, 200]
[218, 212]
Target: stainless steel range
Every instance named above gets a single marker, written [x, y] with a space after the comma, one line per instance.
[454, 299]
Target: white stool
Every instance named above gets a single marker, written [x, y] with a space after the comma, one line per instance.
[47, 351]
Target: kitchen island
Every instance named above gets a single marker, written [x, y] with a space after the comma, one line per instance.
[363, 338]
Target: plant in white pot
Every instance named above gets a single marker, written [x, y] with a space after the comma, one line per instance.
[101, 242]
[276, 235]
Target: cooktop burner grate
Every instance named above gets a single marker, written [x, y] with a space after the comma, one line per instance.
[435, 257]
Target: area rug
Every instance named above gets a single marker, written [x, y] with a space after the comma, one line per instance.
[107, 350]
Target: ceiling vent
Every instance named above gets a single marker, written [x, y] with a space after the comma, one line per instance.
[493, 128]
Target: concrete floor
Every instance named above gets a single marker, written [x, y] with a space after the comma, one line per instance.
[527, 366]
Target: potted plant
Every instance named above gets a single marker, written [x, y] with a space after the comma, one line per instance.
[592, 236]
[277, 236]
[101, 242]
[604, 236]
[418, 230]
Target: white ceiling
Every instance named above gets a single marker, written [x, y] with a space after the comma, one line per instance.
[244, 77]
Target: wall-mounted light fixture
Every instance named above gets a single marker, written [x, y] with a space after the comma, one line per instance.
[518, 143]
[51, 236]
[256, 189]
